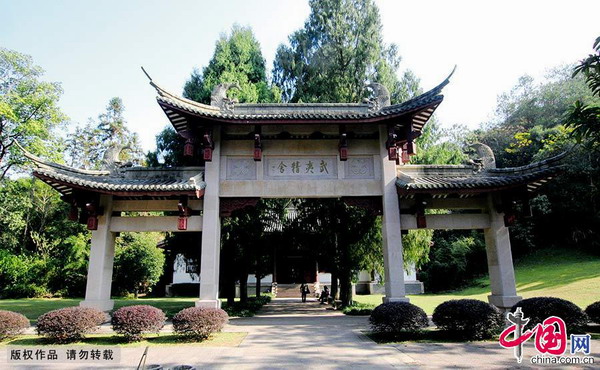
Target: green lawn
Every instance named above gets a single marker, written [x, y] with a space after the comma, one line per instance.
[34, 307]
[570, 275]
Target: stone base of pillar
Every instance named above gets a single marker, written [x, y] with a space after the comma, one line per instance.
[102, 305]
[504, 302]
[395, 299]
[208, 303]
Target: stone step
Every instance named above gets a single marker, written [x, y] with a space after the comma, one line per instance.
[288, 290]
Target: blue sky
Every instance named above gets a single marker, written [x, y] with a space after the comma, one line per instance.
[95, 49]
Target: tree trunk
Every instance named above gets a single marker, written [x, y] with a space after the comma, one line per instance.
[230, 287]
[346, 288]
[258, 269]
[244, 287]
[334, 284]
[227, 276]
[258, 285]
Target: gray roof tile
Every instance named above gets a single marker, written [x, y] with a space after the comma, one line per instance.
[456, 179]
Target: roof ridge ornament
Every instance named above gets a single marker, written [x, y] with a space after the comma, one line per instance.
[111, 161]
[486, 159]
[218, 96]
[380, 97]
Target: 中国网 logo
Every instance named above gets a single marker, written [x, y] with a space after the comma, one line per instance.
[550, 339]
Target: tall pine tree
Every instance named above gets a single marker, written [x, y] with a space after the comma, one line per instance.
[338, 51]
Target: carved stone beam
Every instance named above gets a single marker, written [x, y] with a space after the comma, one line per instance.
[257, 144]
[208, 145]
[343, 144]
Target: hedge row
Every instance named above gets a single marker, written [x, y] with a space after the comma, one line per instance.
[71, 324]
[469, 319]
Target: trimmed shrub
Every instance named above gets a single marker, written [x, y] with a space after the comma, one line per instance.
[12, 323]
[133, 321]
[540, 308]
[468, 319]
[593, 312]
[397, 317]
[69, 324]
[199, 323]
[358, 309]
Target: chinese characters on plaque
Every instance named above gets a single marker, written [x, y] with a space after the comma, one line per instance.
[302, 168]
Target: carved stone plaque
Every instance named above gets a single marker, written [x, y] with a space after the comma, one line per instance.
[360, 168]
[241, 169]
[301, 168]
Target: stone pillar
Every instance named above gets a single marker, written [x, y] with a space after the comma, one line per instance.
[392, 238]
[102, 256]
[500, 263]
[211, 230]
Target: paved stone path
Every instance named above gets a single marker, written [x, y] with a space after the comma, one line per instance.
[290, 334]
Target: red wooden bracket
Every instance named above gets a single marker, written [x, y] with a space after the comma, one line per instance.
[257, 147]
[343, 145]
[184, 213]
[208, 145]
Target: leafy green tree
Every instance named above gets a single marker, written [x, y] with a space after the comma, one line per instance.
[34, 230]
[28, 109]
[339, 49]
[237, 58]
[139, 263]
[585, 118]
[529, 126]
[513, 135]
[456, 257]
[169, 150]
[88, 146]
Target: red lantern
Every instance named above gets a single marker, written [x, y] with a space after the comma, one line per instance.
[208, 154]
[421, 221]
[405, 156]
[92, 223]
[393, 153]
[188, 149]
[343, 154]
[182, 223]
[257, 154]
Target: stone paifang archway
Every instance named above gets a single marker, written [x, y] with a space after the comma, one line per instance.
[248, 151]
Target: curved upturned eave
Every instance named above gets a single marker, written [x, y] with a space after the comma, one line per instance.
[531, 177]
[66, 188]
[185, 114]
[301, 119]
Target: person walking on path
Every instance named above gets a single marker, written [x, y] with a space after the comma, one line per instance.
[304, 291]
